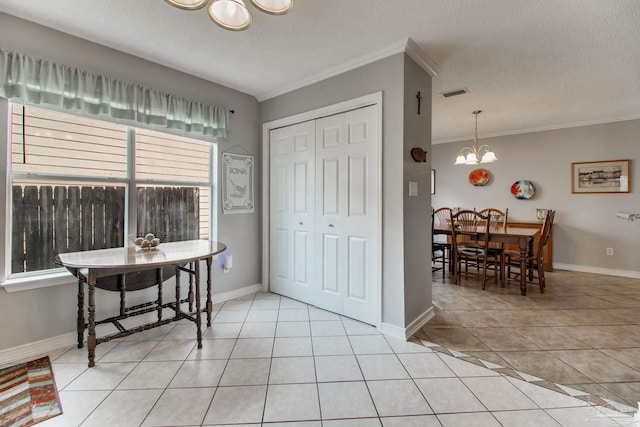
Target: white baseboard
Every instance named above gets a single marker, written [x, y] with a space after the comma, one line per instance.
[38, 348]
[411, 329]
[419, 322]
[597, 270]
[236, 293]
[392, 330]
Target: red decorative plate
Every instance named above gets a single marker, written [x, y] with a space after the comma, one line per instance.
[479, 177]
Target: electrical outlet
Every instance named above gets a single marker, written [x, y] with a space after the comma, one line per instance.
[609, 251]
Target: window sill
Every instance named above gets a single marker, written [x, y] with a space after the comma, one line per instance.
[37, 282]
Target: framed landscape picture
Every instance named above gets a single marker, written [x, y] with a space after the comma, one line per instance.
[608, 176]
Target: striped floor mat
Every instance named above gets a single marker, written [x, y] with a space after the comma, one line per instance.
[28, 394]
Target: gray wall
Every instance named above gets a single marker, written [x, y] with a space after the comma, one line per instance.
[44, 313]
[417, 220]
[585, 224]
[386, 75]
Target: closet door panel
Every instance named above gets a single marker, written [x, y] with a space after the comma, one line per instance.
[357, 191]
[361, 220]
[292, 209]
[330, 187]
[330, 264]
[357, 265]
[301, 188]
[280, 186]
[279, 209]
[303, 209]
[331, 204]
[301, 253]
[282, 247]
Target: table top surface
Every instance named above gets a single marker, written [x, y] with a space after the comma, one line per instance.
[509, 231]
[131, 257]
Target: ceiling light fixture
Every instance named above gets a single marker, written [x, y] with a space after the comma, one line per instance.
[233, 14]
[474, 155]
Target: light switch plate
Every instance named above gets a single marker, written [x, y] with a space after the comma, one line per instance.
[413, 189]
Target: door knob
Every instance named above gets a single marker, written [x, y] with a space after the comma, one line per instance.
[331, 225]
[300, 223]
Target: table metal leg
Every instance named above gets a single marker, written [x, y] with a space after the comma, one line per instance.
[190, 296]
[91, 308]
[80, 320]
[530, 252]
[523, 269]
[159, 279]
[122, 285]
[209, 303]
[198, 308]
[177, 291]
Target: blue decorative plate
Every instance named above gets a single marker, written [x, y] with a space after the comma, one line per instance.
[523, 189]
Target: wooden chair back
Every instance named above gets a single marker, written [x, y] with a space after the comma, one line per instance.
[442, 216]
[545, 232]
[470, 243]
[438, 248]
[465, 224]
[498, 217]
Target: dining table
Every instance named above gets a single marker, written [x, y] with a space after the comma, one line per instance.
[131, 268]
[522, 237]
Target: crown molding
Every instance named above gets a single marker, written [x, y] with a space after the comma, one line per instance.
[420, 57]
[407, 46]
[539, 129]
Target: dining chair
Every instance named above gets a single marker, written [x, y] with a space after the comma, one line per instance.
[534, 261]
[440, 246]
[498, 219]
[471, 225]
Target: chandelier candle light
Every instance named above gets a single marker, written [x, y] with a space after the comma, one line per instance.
[474, 155]
[233, 14]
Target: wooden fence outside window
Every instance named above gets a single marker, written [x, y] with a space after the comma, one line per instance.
[48, 220]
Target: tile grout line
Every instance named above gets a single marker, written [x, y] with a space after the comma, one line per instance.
[364, 379]
[226, 364]
[443, 349]
[590, 295]
[413, 380]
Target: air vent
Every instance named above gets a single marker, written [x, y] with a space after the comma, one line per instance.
[455, 92]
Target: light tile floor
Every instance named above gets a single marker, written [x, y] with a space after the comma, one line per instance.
[583, 332]
[271, 361]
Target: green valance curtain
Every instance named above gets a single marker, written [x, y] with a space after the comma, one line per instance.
[40, 82]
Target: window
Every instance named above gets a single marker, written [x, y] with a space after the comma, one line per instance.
[181, 211]
[79, 183]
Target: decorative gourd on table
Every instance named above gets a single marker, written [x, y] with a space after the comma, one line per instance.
[149, 241]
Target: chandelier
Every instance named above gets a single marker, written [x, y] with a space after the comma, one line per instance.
[233, 14]
[474, 155]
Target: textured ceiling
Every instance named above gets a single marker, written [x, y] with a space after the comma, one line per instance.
[529, 65]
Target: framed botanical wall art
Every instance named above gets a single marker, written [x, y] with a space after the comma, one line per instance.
[237, 183]
[607, 176]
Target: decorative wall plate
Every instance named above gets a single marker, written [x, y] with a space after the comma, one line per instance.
[523, 189]
[479, 177]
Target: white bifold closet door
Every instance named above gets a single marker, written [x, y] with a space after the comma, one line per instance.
[292, 211]
[331, 263]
